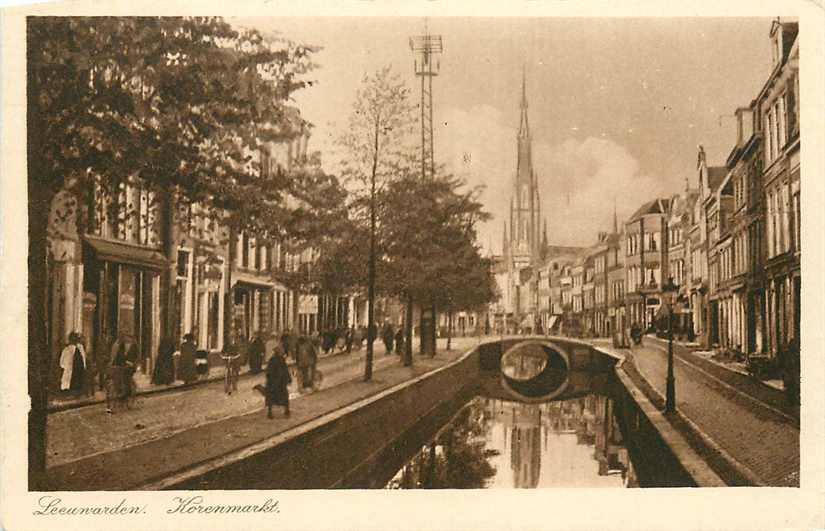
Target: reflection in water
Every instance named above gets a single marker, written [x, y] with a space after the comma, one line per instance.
[496, 443]
[524, 362]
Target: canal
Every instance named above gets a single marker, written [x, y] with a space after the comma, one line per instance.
[513, 413]
[495, 443]
[535, 423]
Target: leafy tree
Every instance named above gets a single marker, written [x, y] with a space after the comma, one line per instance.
[429, 237]
[181, 104]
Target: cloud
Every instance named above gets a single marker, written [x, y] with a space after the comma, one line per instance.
[579, 179]
[579, 182]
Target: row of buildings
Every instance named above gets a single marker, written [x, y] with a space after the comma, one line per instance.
[135, 263]
[730, 242]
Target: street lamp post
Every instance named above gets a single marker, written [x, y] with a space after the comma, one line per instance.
[670, 290]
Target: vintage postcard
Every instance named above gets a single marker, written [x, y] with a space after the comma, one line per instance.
[422, 266]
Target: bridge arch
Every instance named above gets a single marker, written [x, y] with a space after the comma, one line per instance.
[535, 370]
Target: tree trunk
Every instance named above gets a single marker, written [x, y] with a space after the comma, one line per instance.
[170, 235]
[42, 187]
[39, 202]
[449, 329]
[371, 270]
[229, 303]
[435, 331]
[408, 358]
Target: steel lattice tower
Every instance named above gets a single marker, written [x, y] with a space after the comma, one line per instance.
[426, 47]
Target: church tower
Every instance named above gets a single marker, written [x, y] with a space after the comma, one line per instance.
[525, 212]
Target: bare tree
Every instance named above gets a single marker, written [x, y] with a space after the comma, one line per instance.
[377, 146]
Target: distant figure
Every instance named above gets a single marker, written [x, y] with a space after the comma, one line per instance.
[164, 373]
[350, 337]
[186, 368]
[256, 354]
[288, 345]
[399, 340]
[276, 391]
[327, 340]
[73, 363]
[359, 336]
[387, 335]
[121, 386]
[306, 360]
[636, 333]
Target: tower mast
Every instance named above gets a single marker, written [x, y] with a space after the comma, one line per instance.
[426, 49]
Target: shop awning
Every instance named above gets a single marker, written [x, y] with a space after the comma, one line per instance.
[258, 281]
[554, 320]
[125, 253]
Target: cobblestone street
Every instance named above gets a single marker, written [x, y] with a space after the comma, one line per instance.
[758, 436]
[87, 431]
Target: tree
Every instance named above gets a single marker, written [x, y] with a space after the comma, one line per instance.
[180, 104]
[428, 230]
[377, 147]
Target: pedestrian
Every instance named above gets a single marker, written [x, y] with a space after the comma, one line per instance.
[289, 345]
[256, 353]
[186, 368]
[121, 386]
[73, 363]
[387, 335]
[304, 360]
[327, 340]
[360, 334]
[314, 349]
[276, 391]
[164, 373]
[91, 369]
[350, 338]
[399, 340]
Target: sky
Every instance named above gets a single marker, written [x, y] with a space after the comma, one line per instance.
[617, 106]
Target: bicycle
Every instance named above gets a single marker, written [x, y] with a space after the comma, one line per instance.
[230, 378]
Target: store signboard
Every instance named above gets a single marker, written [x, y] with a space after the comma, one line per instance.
[308, 304]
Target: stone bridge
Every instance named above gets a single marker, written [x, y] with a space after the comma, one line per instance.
[542, 368]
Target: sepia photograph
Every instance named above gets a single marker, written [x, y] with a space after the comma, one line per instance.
[393, 253]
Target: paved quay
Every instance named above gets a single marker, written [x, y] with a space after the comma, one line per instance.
[760, 437]
[90, 450]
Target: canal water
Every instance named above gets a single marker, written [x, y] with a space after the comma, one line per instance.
[499, 443]
[534, 423]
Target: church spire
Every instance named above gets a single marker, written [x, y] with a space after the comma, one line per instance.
[615, 218]
[524, 127]
[544, 234]
[505, 242]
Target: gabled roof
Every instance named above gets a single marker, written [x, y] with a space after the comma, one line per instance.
[656, 206]
[716, 174]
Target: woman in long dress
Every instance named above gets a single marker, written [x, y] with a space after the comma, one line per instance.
[187, 371]
[73, 363]
[164, 373]
[278, 379]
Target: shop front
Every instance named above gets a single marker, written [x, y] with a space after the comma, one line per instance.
[121, 288]
[252, 307]
[198, 301]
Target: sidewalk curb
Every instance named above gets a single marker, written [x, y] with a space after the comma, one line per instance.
[770, 396]
[712, 446]
[304, 428]
[696, 467]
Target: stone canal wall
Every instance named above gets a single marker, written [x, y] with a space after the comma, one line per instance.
[362, 445]
[350, 447]
[661, 455]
